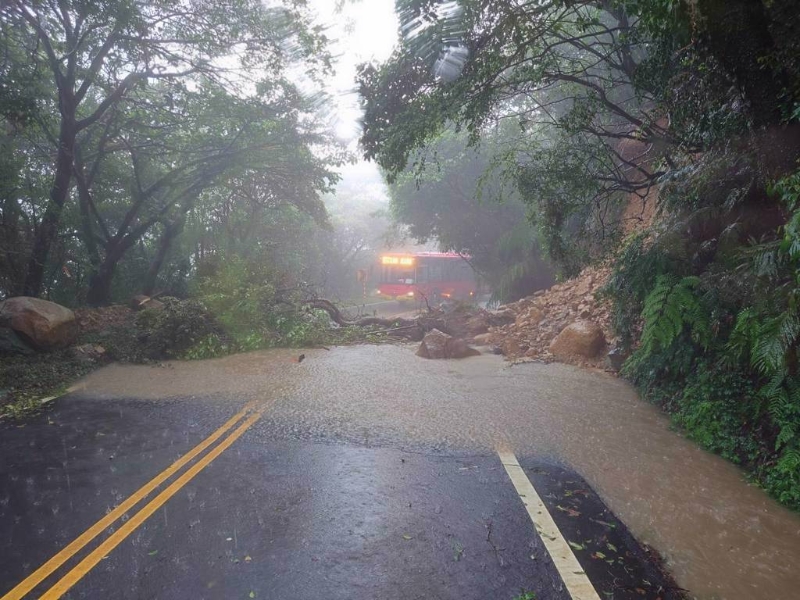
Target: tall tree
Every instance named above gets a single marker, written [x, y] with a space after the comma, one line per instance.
[97, 53]
[609, 97]
[167, 157]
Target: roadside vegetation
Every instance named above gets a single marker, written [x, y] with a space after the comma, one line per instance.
[659, 136]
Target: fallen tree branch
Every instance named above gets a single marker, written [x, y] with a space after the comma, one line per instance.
[413, 329]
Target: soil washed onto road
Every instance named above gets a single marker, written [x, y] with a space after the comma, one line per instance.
[720, 537]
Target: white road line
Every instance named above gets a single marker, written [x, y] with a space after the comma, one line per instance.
[576, 581]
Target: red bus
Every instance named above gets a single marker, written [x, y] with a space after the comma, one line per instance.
[432, 275]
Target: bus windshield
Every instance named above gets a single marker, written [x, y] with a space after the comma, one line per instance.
[395, 274]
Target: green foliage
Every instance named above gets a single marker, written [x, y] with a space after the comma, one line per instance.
[211, 346]
[460, 200]
[671, 308]
[172, 331]
[239, 293]
[723, 362]
[255, 307]
[302, 330]
[638, 264]
[25, 380]
[154, 130]
[522, 266]
[561, 182]
[718, 408]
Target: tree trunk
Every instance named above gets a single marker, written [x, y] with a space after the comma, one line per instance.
[171, 231]
[48, 228]
[100, 285]
[84, 200]
[12, 248]
[100, 281]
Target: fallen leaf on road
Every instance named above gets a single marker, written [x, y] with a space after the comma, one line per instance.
[252, 594]
[606, 523]
[406, 536]
[577, 546]
[152, 553]
[247, 559]
[570, 511]
[458, 551]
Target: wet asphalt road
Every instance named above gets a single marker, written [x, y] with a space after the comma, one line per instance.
[285, 516]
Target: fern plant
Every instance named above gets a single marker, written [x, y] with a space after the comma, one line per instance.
[670, 309]
[766, 337]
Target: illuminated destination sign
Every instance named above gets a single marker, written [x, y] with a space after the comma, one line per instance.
[406, 261]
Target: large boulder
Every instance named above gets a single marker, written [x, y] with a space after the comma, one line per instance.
[582, 339]
[483, 339]
[434, 345]
[501, 316]
[12, 344]
[437, 344]
[41, 324]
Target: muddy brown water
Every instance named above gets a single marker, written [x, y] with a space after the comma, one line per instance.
[721, 537]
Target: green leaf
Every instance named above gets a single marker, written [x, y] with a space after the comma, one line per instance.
[577, 546]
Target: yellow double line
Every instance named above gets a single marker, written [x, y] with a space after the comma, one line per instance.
[91, 560]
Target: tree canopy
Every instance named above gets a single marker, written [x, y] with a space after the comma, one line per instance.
[79, 72]
[123, 117]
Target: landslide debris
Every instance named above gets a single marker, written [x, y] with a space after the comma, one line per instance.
[439, 345]
[571, 307]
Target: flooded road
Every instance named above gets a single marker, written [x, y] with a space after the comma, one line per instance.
[722, 538]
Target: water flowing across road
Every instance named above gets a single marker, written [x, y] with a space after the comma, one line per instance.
[721, 537]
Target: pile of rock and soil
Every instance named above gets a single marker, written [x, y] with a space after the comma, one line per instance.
[566, 323]
[569, 322]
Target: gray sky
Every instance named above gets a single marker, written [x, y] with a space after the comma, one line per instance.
[361, 31]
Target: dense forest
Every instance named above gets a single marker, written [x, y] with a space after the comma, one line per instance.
[160, 149]
[171, 150]
[582, 109]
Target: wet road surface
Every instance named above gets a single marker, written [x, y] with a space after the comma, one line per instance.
[371, 473]
[288, 519]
